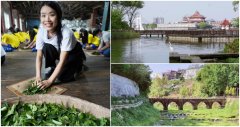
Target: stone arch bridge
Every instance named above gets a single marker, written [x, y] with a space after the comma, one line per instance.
[194, 101]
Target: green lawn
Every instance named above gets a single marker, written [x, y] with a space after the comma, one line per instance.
[139, 116]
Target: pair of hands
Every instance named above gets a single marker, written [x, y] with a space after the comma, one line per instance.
[42, 84]
[99, 50]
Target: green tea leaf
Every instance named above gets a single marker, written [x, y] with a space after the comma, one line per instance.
[33, 89]
[47, 114]
[56, 122]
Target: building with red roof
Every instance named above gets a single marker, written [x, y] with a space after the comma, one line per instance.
[225, 24]
[196, 18]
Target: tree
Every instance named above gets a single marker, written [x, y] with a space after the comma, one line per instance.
[235, 22]
[235, 5]
[157, 88]
[117, 20]
[232, 47]
[216, 77]
[185, 92]
[203, 25]
[128, 8]
[150, 26]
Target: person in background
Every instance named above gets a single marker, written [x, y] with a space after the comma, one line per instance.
[32, 42]
[11, 30]
[11, 40]
[84, 36]
[19, 36]
[104, 46]
[95, 41]
[76, 34]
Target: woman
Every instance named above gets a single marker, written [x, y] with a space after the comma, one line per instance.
[95, 41]
[32, 41]
[104, 46]
[56, 42]
[84, 36]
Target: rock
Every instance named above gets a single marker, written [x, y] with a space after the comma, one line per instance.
[123, 87]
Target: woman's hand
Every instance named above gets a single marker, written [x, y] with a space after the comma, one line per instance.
[37, 80]
[99, 50]
[44, 84]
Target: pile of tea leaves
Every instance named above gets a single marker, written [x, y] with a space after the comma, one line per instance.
[34, 89]
[96, 53]
[47, 114]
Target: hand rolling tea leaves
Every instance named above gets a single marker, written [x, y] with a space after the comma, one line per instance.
[33, 89]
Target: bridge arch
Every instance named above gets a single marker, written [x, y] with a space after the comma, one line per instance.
[201, 105]
[188, 104]
[208, 104]
[218, 104]
[158, 105]
[173, 105]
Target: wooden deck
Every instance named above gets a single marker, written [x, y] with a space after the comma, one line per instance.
[93, 85]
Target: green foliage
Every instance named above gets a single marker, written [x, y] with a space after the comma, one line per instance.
[176, 81]
[143, 115]
[232, 60]
[34, 89]
[128, 9]
[202, 25]
[227, 91]
[197, 90]
[230, 91]
[182, 79]
[185, 91]
[232, 47]
[216, 77]
[158, 87]
[117, 20]
[235, 5]
[235, 22]
[150, 26]
[137, 72]
[124, 35]
[47, 115]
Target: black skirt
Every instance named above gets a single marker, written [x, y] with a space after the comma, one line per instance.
[72, 65]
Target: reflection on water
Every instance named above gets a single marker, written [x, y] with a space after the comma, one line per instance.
[155, 50]
[197, 48]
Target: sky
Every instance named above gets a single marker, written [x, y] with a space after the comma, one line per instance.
[174, 11]
[160, 68]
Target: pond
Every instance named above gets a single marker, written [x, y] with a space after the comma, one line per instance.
[155, 50]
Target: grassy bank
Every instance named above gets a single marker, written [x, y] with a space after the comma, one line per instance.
[139, 116]
[124, 35]
[213, 117]
[229, 60]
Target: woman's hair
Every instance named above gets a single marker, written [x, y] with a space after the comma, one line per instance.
[32, 34]
[17, 30]
[11, 29]
[55, 6]
[96, 31]
[84, 35]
